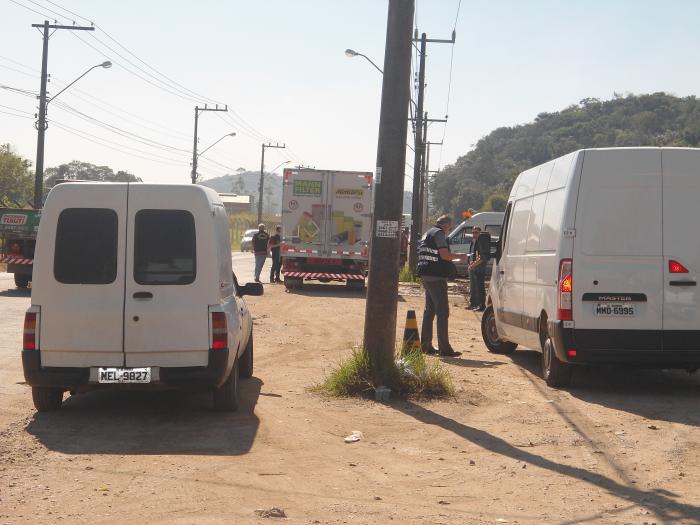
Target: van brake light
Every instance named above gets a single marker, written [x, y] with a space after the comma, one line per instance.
[566, 286]
[676, 267]
[29, 337]
[219, 331]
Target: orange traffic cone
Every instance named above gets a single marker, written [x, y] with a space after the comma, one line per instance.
[411, 337]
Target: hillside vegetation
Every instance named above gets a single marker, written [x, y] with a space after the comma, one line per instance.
[482, 178]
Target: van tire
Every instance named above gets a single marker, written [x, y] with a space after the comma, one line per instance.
[245, 368]
[21, 280]
[47, 399]
[226, 397]
[492, 341]
[554, 372]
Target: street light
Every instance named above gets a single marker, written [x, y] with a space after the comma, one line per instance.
[233, 134]
[41, 130]
[280, 164]
[350, 53]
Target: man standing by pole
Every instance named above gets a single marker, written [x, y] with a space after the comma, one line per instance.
[382, 291]
[435, 267]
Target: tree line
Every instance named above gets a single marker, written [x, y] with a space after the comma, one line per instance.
[482, 178]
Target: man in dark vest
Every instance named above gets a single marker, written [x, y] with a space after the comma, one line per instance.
[435, 267]
[260, 240]
[477, 270]
[274, 244]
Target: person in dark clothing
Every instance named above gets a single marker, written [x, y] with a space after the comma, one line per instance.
[260, 240]
[274, 245]
[477, 272]
[434, 267]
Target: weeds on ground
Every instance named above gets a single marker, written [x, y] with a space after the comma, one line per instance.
[410, 375]
[407, 276]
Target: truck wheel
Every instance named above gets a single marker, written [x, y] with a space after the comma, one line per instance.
[226, 396]
[47, 399]
[355, 284]
[293, 283]
[245, 368]
[554, 372]
[21, 280]
[489, 333]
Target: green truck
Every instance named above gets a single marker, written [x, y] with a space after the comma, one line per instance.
[18, 228]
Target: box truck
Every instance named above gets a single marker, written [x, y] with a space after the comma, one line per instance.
[326, 226]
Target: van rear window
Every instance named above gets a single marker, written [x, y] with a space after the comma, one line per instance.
[165, 247]
[86, 246]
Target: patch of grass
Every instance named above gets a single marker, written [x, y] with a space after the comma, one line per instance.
[411, 375]
[407, 276]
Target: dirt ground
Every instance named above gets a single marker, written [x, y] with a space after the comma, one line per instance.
[620, 446]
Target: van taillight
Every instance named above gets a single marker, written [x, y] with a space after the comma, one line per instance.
[676, 267]
[219, 331]
[29, 338]
[565, 290]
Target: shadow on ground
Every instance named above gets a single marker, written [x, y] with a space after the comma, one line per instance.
[666, 395]
[142, 422]
[16, 292]
[661, 502]
[329, 290]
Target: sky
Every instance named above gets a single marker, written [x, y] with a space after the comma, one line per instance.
[280, 67]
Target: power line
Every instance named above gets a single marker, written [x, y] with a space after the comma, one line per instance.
[30, 9]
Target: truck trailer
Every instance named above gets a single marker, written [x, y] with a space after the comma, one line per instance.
[326, 226]
[18, 228]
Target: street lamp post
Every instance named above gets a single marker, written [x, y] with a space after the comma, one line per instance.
[232, 134]
[352, 53]
[42, 125]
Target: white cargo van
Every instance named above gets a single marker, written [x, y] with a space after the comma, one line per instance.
[599, 260]
[133, 284]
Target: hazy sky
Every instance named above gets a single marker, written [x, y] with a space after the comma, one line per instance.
[280, 65]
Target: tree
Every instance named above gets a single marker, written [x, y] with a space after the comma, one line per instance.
[16, 180]
[77, 170]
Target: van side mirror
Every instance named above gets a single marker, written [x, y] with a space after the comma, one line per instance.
[251, 289]
[498, 251]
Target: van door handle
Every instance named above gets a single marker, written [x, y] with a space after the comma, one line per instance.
[142, 295]
[502, 272]
[683, 283]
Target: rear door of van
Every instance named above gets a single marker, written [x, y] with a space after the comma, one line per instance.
[166, 318]
[79, 276]
[618, 258]
[681, 248]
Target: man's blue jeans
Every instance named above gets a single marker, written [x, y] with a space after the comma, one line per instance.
[259, 263]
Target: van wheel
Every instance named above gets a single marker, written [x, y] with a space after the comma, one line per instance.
[245, 369]
[489, 333]
[554, 372]
[21, 280]
[47, 399]
[226, 397]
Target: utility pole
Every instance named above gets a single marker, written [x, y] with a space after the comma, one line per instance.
[422, 213]
[416, 206]
[197, 111]
[426, 177]
[41, 124]
[262, 176]
[382, 291]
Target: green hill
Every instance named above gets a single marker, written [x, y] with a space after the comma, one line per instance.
[482, 178]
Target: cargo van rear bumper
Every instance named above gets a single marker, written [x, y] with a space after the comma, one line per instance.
[643, 348]
[69, 378]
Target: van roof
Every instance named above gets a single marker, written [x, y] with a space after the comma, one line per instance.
[195, 189]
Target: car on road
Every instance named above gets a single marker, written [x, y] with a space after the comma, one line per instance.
[136, 290]
[599, 262]
[460, 239]
[247, 240]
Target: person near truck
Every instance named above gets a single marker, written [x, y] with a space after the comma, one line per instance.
[403, 256]
[260, 240]
[477, 272]
[274, 246]
[435, 267]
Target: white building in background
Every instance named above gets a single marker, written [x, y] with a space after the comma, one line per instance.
[235, 203]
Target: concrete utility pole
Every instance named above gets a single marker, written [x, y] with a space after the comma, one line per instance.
[195, 156]
[426, 181]
[416, 205]
[262, 176]
[41, 122]
[382, 290]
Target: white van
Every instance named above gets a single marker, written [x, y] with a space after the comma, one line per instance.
[460, 239]
[133, 284]
[599, 260]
